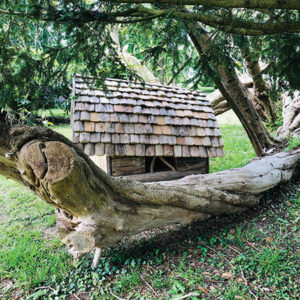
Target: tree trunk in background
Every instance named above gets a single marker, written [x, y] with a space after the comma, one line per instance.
[96, 210]
[291, 117]
[261, 88]
[131, 61]
[220, 105]
[233, 91]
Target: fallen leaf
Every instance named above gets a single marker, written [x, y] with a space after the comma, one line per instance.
[269, 239]
[227, 275]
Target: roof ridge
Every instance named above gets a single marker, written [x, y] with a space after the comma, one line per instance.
[142, 84]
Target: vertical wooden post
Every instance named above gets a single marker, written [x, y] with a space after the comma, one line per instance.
[97, 256]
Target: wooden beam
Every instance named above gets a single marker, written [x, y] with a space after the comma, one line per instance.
[152, 164]
[167, 163]
[162, 176]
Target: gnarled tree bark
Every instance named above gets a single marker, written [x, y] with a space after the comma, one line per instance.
[291, 117]
[96, 210]
[233, 91]
[260, 86]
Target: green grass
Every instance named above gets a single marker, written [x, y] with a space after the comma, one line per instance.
[236, 257]
[293, 143]
[27, 257]
[64, 130]
[52, 112]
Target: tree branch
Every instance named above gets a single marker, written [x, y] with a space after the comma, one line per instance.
[226, 23]
[252, 4]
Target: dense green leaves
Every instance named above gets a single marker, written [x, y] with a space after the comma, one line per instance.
[42, 43]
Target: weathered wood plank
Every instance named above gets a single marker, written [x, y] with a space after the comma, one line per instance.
[162, 176]
[127, 165]
[192, 163]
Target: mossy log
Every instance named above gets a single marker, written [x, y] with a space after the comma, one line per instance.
[95, 210]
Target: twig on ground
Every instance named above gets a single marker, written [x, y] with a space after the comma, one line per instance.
[150, 287]
[115, 295]
[246, 282]
[218, 253]
[45, 288]
[250, 244]
[235, 250]
[187, 295]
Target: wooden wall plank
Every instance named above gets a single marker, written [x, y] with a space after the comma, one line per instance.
[128, 165]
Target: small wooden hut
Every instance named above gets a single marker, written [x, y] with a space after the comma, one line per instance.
[143, 131]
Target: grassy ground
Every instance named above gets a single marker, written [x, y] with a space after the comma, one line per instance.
[52, 112]
[248, 256]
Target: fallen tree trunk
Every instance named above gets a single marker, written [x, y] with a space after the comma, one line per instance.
[97, 210]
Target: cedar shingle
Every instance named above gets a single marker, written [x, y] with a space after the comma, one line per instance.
[99, 149]
[75, 137]
[144, 139]
[84, 137]
[150, 150]
[159, 150]
[130, 150]
[154, 139]
[160, 120]
[140, 150]
[79, 106]
[201, 132]
[177, 151]
[104, 117]
[186, 151]
[120, 128]
[134, 139]
[139, 128]
[120, 150]
[143, 119]
[89, 149]
[90, 107]
[76, 115]
[194, 151]
[180, 140]
[123, 118]
[100, 127]
[180, 113]
[115, 138]
[133, 118]
[206, 141]
[94, 117]
[148, 129]
[197, 141]
[109, 149]
[129, 128]
[168, 150]
[211, 152]
[95, 137]
[157, 129]
[78, 126]
[124, 138]
[85, 116]
[105, 138]
[166, 130]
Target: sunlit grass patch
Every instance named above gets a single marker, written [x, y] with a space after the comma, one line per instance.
[237, 147]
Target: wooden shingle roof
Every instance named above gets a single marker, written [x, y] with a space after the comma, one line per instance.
[132, 119]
